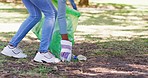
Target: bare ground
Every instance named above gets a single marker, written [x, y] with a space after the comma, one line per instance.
[97, 66]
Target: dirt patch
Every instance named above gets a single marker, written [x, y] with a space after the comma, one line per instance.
[96, 66]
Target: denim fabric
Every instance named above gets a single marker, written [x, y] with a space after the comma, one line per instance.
[62, 16]
[73, 4]
[35, 7]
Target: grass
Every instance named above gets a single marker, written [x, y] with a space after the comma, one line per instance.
[123, 48]
[114, 17]
[118, 16]
[114, 48]
[92, 45]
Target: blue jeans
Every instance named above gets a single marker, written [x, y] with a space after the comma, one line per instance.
[35, 7]
[73, 4]
[62, 16]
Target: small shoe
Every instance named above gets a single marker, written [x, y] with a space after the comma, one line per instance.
[46, 58]
[66, 50]
[13, 52]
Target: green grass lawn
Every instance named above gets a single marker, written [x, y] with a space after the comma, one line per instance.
[91, 45]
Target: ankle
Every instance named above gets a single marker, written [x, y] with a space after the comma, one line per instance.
[11, 46]
[64, 37]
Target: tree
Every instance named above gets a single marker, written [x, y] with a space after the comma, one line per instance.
[83, 3]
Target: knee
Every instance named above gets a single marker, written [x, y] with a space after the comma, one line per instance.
[36, 17]
[61, 16]
[51, 14]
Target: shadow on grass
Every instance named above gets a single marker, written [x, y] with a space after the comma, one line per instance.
[122, 17]
[112, 59]
[117, 6]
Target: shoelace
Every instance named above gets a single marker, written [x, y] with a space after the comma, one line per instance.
[17, 50]
[49, 55]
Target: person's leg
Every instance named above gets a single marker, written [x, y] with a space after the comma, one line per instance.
[73, 4]
[12, 50]
[66, 45]
[34, 17]
[49, 11]
[62, 19]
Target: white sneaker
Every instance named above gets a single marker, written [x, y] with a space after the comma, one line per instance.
[46, 57]
[13, 52]
[66, 50]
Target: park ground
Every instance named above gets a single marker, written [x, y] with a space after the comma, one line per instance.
[113, 37]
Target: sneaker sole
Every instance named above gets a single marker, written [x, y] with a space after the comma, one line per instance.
[44, 62]
[37, 61]
[3, 53]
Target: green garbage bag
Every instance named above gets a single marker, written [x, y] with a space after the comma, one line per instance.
[72, 21]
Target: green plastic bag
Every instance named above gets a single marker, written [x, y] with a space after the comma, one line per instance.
[72, 21]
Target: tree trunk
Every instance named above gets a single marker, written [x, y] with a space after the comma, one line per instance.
[83, 3]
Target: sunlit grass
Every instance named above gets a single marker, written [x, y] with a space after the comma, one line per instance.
[12, 13]
[110, 33]
[124, 17]
[114, 17]
[12, 16]
[112, 47]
